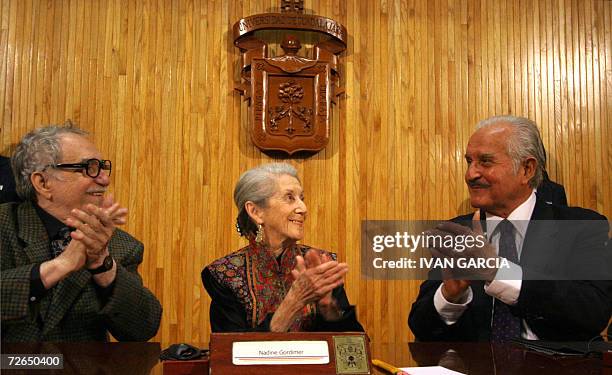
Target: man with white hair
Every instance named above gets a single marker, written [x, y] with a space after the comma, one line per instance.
[67, 273]
[556, 285]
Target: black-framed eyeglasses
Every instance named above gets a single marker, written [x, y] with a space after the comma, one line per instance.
[92, 167]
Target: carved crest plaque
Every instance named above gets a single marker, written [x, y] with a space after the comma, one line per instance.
[289, 96]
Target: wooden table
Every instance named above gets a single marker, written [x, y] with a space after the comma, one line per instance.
[470, 358]
[92, 357]
[485, 359]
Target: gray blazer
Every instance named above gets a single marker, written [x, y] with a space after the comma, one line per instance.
[73, 310]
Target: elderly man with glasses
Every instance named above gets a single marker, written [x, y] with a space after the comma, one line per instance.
[68, 274]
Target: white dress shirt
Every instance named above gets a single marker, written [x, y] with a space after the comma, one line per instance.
[503, 287]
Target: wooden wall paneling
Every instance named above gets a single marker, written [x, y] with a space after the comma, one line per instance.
[153, 82]
[4, 47]
[552, 94]
[557, 89]
[397, 95]
[460, 102]
[600, 149]
[568, 126]
[453, 82]
[19, 42]
[593, 90]
[351, 206]
[560, 88]
[420, 83]
[579, 96]
[606, 82]
[9, 81]
[590, 123]
[575, 126]
[586, 96]
[543, 70]
[501, 44]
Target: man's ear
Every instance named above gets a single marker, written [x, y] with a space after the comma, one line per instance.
[254, 211]
[529, 169]
[41, 184]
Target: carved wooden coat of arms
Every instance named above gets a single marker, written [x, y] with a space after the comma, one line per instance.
[289, 96]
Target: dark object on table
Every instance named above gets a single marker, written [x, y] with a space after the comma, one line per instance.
[182, 352]
[594, 348]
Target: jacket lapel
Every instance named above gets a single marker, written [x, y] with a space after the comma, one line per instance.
[59, 299]
[540, 238]
[33, 233]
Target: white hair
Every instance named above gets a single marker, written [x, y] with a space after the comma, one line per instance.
[258, 185]
[37, 150]
[525, 142]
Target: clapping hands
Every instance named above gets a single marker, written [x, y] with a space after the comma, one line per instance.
[457, 280]
[94, 227]
[316, 276]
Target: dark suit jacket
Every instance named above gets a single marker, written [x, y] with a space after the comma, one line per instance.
[562, 310]
[552, 192]
[73, 310]
[8, 191]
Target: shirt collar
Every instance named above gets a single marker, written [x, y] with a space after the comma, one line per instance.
[519, 217]
[50, 222]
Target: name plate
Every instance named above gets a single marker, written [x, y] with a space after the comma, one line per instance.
[280, 353]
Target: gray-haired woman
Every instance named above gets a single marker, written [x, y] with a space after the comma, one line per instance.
[275, 284]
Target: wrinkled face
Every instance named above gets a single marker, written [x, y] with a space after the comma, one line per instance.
[283, 218]
[71, 189]
[490, 176]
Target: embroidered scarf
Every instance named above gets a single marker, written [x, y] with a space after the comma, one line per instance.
[261, 281]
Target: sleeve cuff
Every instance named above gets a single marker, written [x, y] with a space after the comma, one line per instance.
[506, 286]
[37, 289]
[451, 312]
[105, 292]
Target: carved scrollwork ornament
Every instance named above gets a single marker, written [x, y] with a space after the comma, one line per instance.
[290, 97]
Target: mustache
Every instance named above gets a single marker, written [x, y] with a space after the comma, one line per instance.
[477, 184]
